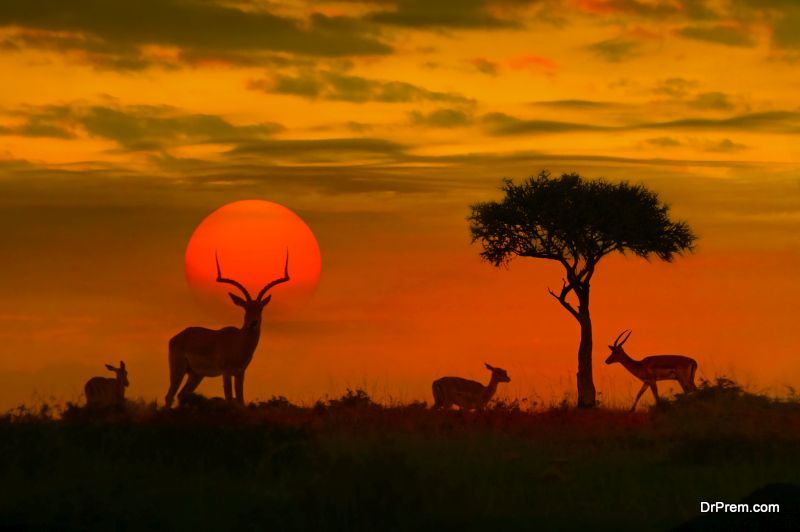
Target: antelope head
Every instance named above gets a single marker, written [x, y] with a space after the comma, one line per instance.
[121, 372]
[252, 307]
[617, 353]
[498, 374]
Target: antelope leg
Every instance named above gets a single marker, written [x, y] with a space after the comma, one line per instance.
[238, 382]
[191, 385]
[639, 395]
[654, 387]
[226, 384]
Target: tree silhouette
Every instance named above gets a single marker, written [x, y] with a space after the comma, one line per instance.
[576, 222]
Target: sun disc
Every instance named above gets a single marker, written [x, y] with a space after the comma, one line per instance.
[251, 239]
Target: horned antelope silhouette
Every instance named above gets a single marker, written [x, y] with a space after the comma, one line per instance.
[105, 392]
[467, 394]
[654, 368]
[201, 352]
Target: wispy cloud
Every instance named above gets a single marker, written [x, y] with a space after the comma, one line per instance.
[720, 34]
[139, 127]
[444, 118]
[675, 87]
[578, 104]
[503, 124]
[717, 101]
[485, 66]
[320, 150]
[615, 50]
[769, 121]
[451, 14]
[706, 145]
[786, 122]
[116, 32]
[329, 85]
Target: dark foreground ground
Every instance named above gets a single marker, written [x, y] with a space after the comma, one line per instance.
[349, 464]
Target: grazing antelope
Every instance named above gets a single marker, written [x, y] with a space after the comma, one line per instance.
[201, 352]
[467, 394]
[654, 368]
[103, 392]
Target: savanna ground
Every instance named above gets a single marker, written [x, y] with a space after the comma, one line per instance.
[351, 464]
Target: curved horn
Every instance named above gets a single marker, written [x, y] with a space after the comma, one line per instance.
[625, 339]
[616, 342]
[280, 280]
[237, 284]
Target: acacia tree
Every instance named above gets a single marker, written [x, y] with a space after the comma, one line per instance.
[576, 222]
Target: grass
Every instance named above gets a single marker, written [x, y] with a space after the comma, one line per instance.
[352, 464]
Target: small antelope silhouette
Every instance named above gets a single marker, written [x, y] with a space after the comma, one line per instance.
[104, 392]
[467, 394]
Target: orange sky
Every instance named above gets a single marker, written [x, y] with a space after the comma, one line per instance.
[123, 124]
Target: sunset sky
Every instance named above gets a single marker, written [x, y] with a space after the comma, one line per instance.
[124, 123]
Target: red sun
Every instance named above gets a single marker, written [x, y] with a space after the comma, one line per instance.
[251, 239]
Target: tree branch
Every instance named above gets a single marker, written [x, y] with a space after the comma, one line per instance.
[562, 298]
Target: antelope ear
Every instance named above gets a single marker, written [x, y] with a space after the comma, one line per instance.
[110, 367]
[121, 364]
[266, 300]
[490, 368]
[238, 301]
[611, 347]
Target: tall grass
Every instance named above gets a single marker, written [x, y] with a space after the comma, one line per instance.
[349, 463]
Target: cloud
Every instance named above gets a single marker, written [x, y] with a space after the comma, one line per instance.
[716, 101]
[117, 31]
[783, 17]
[358, 127]
[724, 146]
[85, 48]
[142, 127]
[675, 87]
[615, 50]
[485, 66]
[452, 14]
[577, 104]
[320, 150]
[720, 34]
[285, 168]
[444, 118]
[328, 85]
[770, 121]
[786, 31]
[699, 10]
[502, 124]
[718, 146]
[664, 142]
[787, 122]
[652, 9]
[37, 126]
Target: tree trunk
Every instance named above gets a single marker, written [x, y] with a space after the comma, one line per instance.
[586, 391]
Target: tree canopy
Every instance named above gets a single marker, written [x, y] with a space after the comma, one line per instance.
[576, 221]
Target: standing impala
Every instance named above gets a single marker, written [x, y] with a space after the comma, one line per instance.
[202, 352]
[654, 368]
[467, 394]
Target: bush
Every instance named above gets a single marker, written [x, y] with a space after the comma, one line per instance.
[353, 399]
